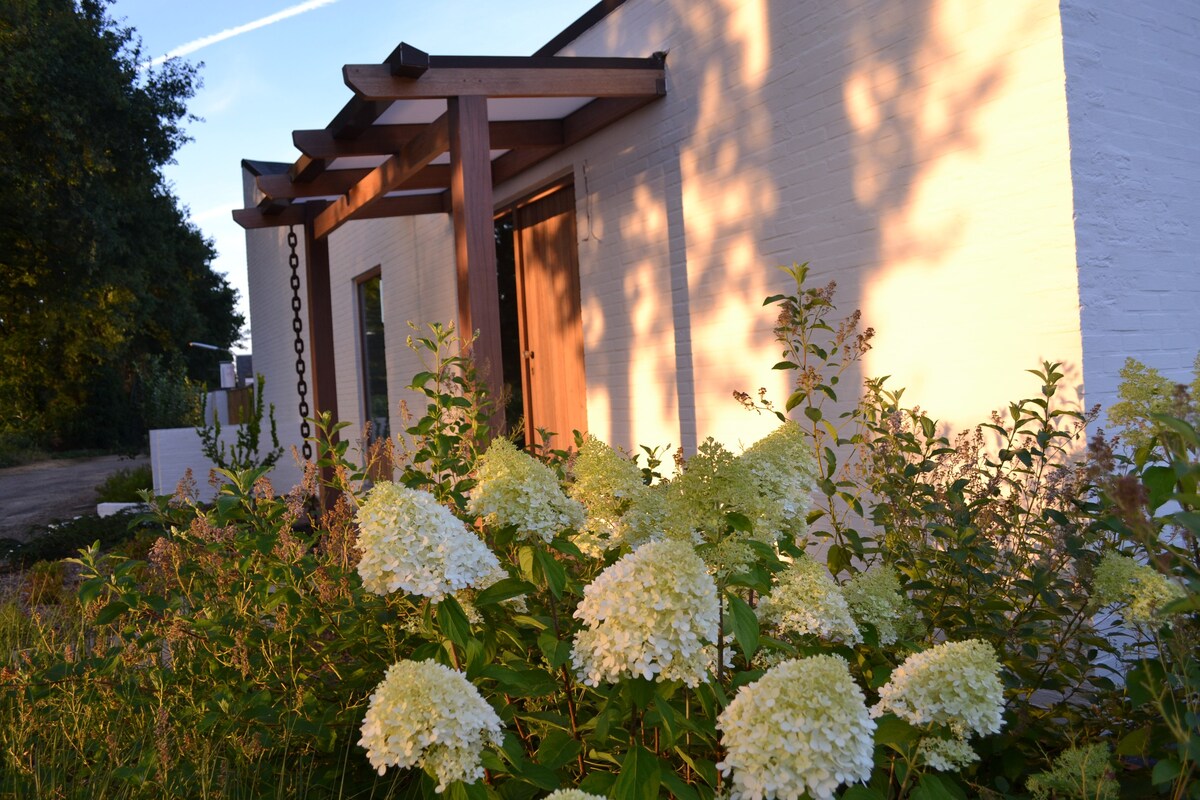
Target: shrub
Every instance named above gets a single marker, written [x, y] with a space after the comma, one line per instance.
[126, 485]
[687, 641]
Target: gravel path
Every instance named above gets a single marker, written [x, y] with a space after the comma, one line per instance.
[45, 491]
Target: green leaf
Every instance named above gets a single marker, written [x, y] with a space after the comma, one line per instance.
[1165, 771]
[555, 651]
[568, 547]
[892, 731]
[813, 413]
[745, 625]
[1133, 743]
[556, 749]
[453, 622]
[935, 787]
[1160, 483]
[110, 612]
[860, 792]
[677, 787]
[556, 576]
[739, 522]
[502, 590]
[639, 778]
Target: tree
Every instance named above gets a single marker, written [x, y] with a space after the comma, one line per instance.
[99, 267]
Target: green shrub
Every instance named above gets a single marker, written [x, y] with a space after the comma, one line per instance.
[126, 485]
[724, 628]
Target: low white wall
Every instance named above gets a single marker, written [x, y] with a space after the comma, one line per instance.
[174, 450]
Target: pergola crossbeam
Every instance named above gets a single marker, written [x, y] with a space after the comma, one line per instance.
[385, 178]
[511, 77]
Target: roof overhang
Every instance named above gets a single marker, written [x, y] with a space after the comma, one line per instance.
[386, 153]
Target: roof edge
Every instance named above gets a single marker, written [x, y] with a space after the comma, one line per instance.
[577, 28]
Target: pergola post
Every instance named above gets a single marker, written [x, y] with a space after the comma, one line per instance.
[322, 375]
[474, 240]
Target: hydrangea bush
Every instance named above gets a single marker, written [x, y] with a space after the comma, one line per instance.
[852, 607]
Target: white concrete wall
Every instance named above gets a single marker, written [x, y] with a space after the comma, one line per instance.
[1133, 90]
[173, 451]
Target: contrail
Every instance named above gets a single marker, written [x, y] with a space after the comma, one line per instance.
[229, 33]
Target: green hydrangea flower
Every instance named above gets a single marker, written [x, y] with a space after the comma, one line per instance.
[1142, 589]
[807, 602]
[518, 490]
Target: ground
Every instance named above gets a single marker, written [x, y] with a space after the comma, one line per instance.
[45, 491]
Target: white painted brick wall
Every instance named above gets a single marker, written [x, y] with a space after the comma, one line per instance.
[271, 336]
[919, 153]
[1133, 90]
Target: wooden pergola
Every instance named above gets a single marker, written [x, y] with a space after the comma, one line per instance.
[430, 134]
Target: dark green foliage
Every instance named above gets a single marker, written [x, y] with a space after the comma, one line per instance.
[98, 264]
[244, 454]
[126, 485]
[64, 539]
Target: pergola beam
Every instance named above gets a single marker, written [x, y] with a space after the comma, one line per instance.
[401, 206]
[339, 181]
[512, 77]
[387, 139]
[385, 178]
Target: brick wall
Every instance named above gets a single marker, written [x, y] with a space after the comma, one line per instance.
[1133, 89]
[917, 153]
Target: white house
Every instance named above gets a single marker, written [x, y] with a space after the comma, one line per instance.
[993, 182]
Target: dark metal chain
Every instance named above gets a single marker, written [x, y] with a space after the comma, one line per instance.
[298, 327]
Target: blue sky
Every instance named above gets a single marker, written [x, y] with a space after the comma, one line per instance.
[272, 66]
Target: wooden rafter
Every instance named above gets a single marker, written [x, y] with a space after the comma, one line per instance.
[339, 181]
[386, 139]
[385, 178]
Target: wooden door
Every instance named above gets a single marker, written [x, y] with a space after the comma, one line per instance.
[551, 325]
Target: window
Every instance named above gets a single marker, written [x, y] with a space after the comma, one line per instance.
[372, 355]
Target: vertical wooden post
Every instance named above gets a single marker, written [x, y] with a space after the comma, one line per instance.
[322, 375]
[474, 240]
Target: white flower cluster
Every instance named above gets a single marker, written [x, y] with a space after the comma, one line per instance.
[426, 715]
[874, 596]
[946, 755]
[411, 543]
[572, 794]
[806, 601]
[1143, 589]
[785, 470]
[606, 483]
[955, 684]
[518, 490]
[651, 614]
[801, 727]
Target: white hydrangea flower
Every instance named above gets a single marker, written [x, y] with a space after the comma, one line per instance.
[651, 614]
[411, 543]
[518, 490]
[426, 715]
[801, 727]
[646, 518]
[1143, 589]
[785, 469]
[954, 683]
[946, 755]
[572, 794]
[606, 483]
[807, 601]
[874, 596]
